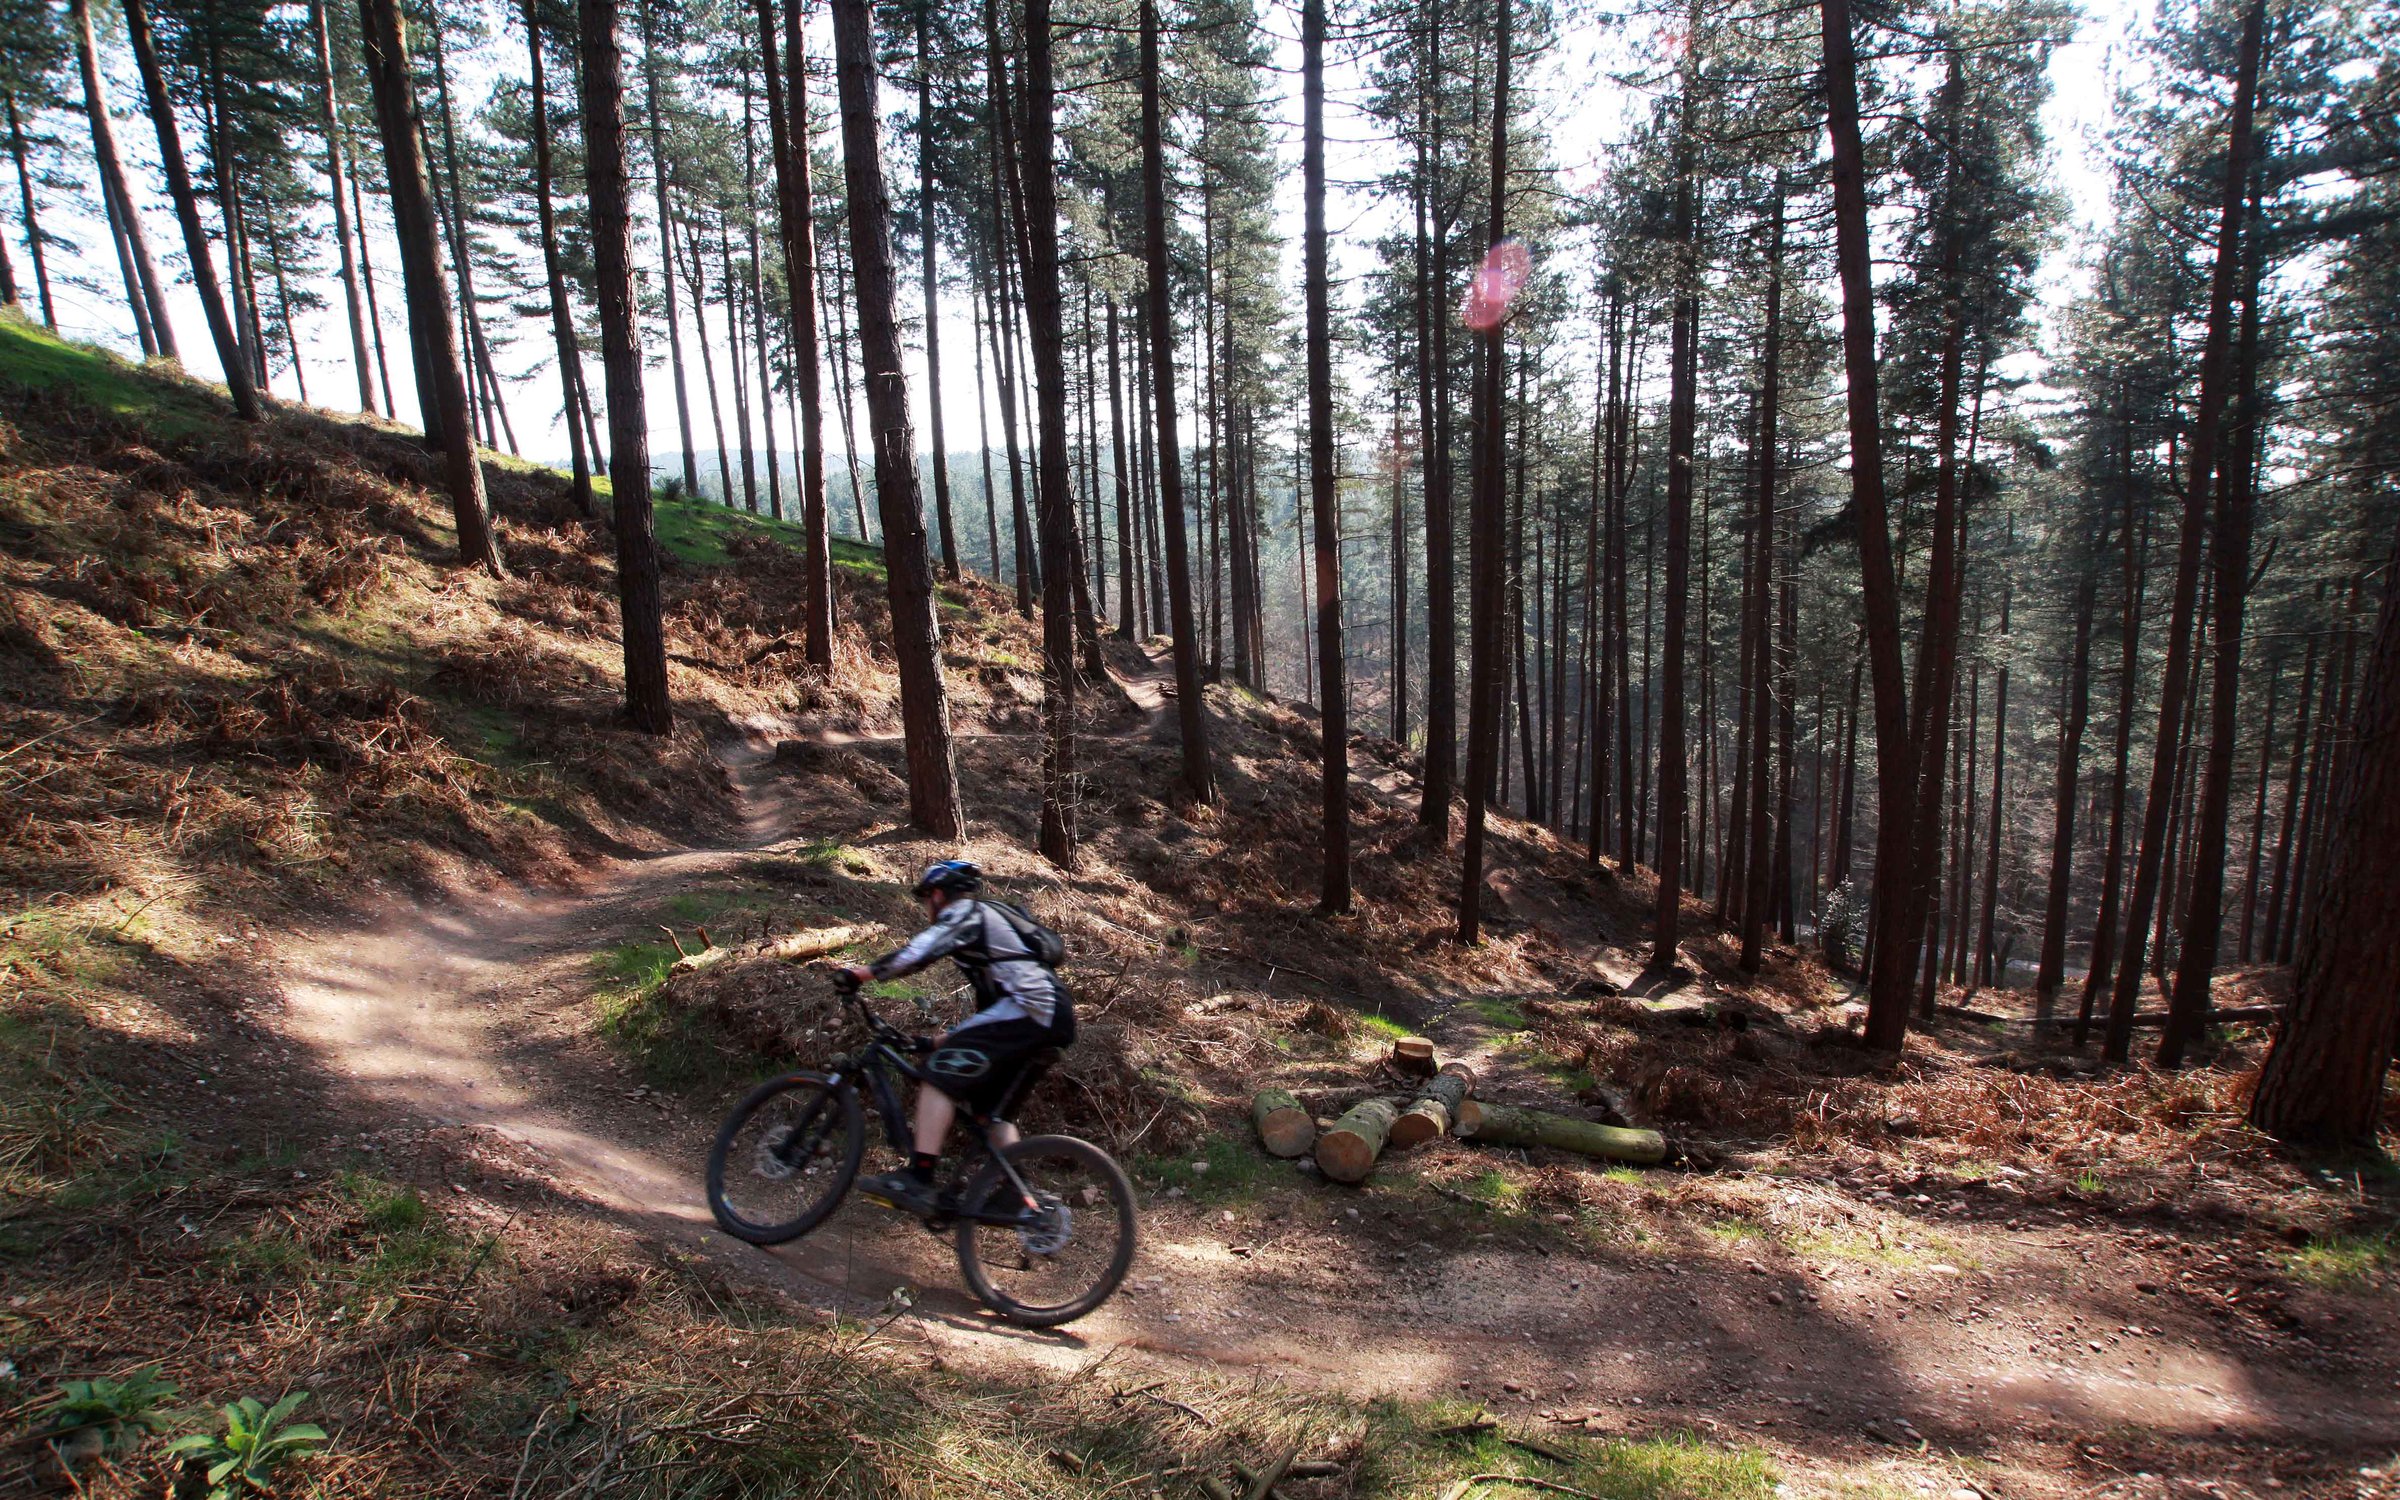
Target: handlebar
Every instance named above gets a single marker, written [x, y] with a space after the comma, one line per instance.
[847, 986]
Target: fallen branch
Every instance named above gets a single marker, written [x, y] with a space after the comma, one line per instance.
[1274, 965]
[1267, 1478]
[1539, 1450]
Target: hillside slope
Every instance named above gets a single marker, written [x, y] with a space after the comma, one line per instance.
[337, 1022]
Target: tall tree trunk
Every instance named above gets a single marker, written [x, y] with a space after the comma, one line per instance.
[1486, 589]
[758, 302]
[654, 121]
[933, 306]
[562, 317]
[1628, 812]
[1128, 611]
[1004, 366]
[2294, 790]
[787, 141]
[2202, 452]
[2323, 1082]
[1915, 905]
[9, 295]
[1600, 583]
[734, 317]
[187, 212]
[2229, 560]
[1983, 973]
[1333, 700]
[283, 304]
[1682, 416]
[117, 215]
[1787, 694]
[1515, 573]
[8, 269]
[606, 183]
[2133, 589]
[366, 278]
[983, 427]
[334, 173]
[217, 116]
[2315, 788]
[429, 313]
[1046, 320]
[1895, 758]
[1755, 914]
[916, 634]
[1199, 779]
[1433, 415]
[2051, 972]
[2258, 814]
[148, 300]
[696, 257]
[33, 222]
[480, 379]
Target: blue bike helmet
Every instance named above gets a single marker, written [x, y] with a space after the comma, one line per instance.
[960, 877]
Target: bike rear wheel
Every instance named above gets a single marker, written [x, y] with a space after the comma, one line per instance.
[1066, 1257]
[785, 1156]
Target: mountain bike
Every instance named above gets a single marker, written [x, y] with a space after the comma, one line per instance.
[1045, 1229]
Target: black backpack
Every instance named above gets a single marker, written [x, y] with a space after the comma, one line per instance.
[1047, 947]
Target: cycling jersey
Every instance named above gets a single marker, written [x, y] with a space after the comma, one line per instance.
[1008, 981]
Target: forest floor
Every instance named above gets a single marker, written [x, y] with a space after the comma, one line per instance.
[343, 1051]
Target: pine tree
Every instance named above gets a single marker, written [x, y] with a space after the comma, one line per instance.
[640, 622]
[429, 307]
[916, 635]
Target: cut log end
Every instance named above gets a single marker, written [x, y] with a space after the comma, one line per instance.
[1347, 1152]
[1436, 1109]
[1284, 1128]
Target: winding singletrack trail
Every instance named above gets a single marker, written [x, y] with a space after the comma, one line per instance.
[474, 1016]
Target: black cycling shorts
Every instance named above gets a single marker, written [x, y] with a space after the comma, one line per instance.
[987, 1068]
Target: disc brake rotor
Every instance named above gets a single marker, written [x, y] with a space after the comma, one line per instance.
[1050, 1231]
[771, 1162]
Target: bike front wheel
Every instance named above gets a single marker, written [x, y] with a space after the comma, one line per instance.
[1055, 1260]
[785, 1157]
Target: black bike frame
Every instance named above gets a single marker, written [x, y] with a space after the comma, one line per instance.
[876, 1064]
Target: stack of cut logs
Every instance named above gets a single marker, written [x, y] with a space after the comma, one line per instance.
[1444, 1104]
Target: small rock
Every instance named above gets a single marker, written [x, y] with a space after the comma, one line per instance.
[1775, 1299]
[1511, 1386]
[1199, 1169]
[1562, 1218]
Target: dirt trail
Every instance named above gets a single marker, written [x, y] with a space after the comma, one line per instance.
[473, 1016]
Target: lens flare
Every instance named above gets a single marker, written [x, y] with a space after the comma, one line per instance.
[1506, 268]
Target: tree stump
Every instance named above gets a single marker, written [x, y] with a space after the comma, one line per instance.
[1435, 1108]
[1413, 1056]
[1284, 1128]
[1347, 1152]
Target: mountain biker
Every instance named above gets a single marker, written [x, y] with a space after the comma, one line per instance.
[1023, 1016]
